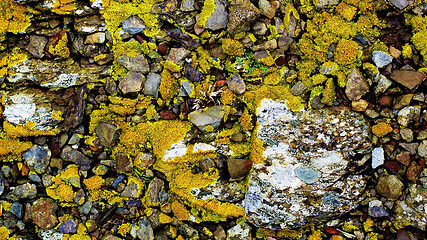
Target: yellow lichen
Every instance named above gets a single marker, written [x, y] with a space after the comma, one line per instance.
[318, 79]
[168, 86]
[346, 53]
[64, 6]
[368, 224]
[407, 51]
[4, 233]
[94, 183]
[232, 47]
[180, 211]
[28, 130]
[382, 129]
[329, 93]
[60, 48]
[207, 10]
[272, 78]
[13, 146]
[14, 18]
[163, 218]
[124, 229]
[346, 11]
[246, 120]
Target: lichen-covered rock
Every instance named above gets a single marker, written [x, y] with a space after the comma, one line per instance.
[219, 18]
[210, 118]
[44, 213]
[303, 175]
[24, 191]
[242, 13]
[37, 158]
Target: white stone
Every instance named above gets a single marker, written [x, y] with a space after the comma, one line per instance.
[377, 157]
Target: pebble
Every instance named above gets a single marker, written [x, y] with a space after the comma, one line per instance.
[100, 170]
[85, 209]
[404, 158]
[356, 85]
[133, 25]
[407, 134]
[377, 157]
[240, 231]
[34, 177]
[69, 226]
[411, 147]
[376, 209]
[400, 4]
[206, 163]
[236, 84]
[422, 135]
[107, 133]
[210, 117]
[44, 213]
[402, 101]
[187, 6]
[123, 163]
[219, 18]
[145, 160]
[24, 191]
[1, 184]
[193, 74]
[422, 149]
[259, 28]
[132, 82]
[383, 84]
[219, 233]
[268, 8]
[95, 38]
[37, 158]
[238, 167]
[137, 64]
[72, 155]
[408, 115]
[16, 209]
[51, 235]
[176, 55]
[385, 101]
[390, 187]
[381, 59]
[132, 190]
[90, 24]
[145, 231]
[394, 52]
[408, 78]
[241, 14]
[413, 172]
[36, 46]
[298, 89]
[359, 105]
[152, 85]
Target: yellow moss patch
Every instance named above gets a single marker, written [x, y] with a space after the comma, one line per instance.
[13, 146]
[27, 130]
[14, 17]
[246, 121]
[4, 233]
[232, 47]
[346, 11]
[407, 51]
[207, 10]
[180, 211]
[318, 79]
[168, 86]
[61, 192]
[60, 49]
[382, 129]
[346, 52]
[79, 237]
[124, 229]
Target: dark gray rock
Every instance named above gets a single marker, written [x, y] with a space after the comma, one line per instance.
[152, 85]
[37, 158]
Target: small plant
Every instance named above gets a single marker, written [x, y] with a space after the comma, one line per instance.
[143, 176]
[252, 63]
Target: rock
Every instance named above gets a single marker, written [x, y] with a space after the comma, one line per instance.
[37, 158]
[359, 105]
[326, 3]
[44, 213]
[390, 187]
[238, 167]
[407, 134]
[152, 195]
[377, 157]
[241, 14]
[413, 172]
[123, 163]
[240, 231]
[376, 209]
[144, 160]
[186, 40]
[408, 78]
[16, 209]
[90, 24]
[356, 85]
[267, 8]
[132, 82]
[219, 233]
[107, 133]
[400, 4]
[176, 55]
[408, 115]
[133, 189]
[410, 210]
[411, 147]
[236, 84]
[210, 117]
[422, 135]
[193, 74]
[145, 231]
[69, 226]
[404, 158]
[284, 42]
[137, 64]
[402, 101]
[401, 233]
[206, 164]
[167, 115]
[298, 89]
[259, 28]
[187, 6]
[381, 59]
[1, 184]
[422, 149]
[394, 52]
[100, 170]
[385, 101]
[266, 45]
[76, 108]
[72, 155]
[36, 46]
[133, 25]
[87, 206]
[95, 38]
[110, 237]
[24, 191]
[152, 85]
[219, 18]
[382, 85]
[166, 7]
[315, 160]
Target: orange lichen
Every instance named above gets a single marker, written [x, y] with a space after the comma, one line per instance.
[13, 146]
[180, 211]
[346, 52]
[382, 129]
[60, 48]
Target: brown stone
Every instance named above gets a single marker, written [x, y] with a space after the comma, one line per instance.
[385, 101]
[123, 163]
[359, 105]
[404, 158]
[402, 101]
[162, 49]
[394, 52]
[144, 160]
[392, 166]
[356, 85]
[238, 167]
[44, 213]
[413, 172]
[167, 115]
[408, 78]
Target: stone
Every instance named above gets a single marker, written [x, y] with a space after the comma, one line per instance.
[36, 46]
[219, 233]
[408, 115]
[145, 231]
[356, 85]
[326, 3]
[238, 168]
[69, 226]
[401, 233]
[413, 172]
[123, 163]
[298, 89]
[186, 40]
[422, 149]
[383, 84]
[376, 209]
[206, 164]
[219, 18]
[76, 107]
[132, 82]
[110, 237]
[400, 4]
[137, 64]
[166, 7]
[24, 191]
[72, 155]
[240, 231]
[1, 184]
[153, 191]
[268, 8]
[144, 160]
[187, 6]
[402, 101]
[408, 78]
[381, 59]
[90, 24]
[259, 28]
[241, 14]
[422, 135]
[44, 213]
[411, 147]
[51, 235]
[377, 157]
[394, 52]
[404, 158]
[95, 38]
[410, 210]
[107, 134]
[133, 188]
[176, 55]
[301, 163]
[37, 158]
[390, 187]
[193, 74]
[210, 117]
[236, 84]
[16, 209]
[152, 84]
[133, 25]
[407, 134]
[359, 105]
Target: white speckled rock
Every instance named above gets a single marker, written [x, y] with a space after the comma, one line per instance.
[381, 59]
[305, 175]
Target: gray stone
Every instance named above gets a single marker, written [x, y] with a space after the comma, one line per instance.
[186, 89]
[298, 89]
[326, 3]
[90, 24]
[95, 38]
[356, 85]
[132, 82]
[303, 159]
[422, 149]
[241, 14]
[24, 191]
[152, 85]
[51, 235]
[408, 115]
[377, 157]
[34, 177]
[411, 209]
[133, 25]
[176, 55]
[236, 84]
[187, 6]
[382, 85]
[210, 117]
[107, 133]
[72, 155]
[37, 158]
[381, 59]
[219, 18]
[136, 64]
[132, 190]
[85, 209]
[145, 231]
[16, 209]
[36, 46]
[69, 226]
[259, 28]
[240, 231]
[74, 139]
[376, 209]
[400, 4]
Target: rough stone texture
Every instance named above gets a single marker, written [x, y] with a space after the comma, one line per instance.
[176, 55]
[37, 158]
[90, 24]
[133, 25]
[136, 64]
[242, 13]
[390, 186]
[356, 85]
[145, 231]
[107, 134]
[36, 46]
[76, 157]
[210, 117]
[132, 82]
[24, 191]
[219, 17]
[408, 78]
[44, 213]
[236, 84]
[292, 186]
[152, 85]
[381, 59]
[400, 4]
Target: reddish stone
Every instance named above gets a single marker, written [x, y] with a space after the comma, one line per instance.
[408, 78]
[123, 163]
[220, 83]
[162, 49]
[25, 170]
[404, 158]
[413, 172]
[280, 61]
[167, 115]
[385, 101]
[139, 38]
[331, 230]
[422, 162]
[44, 213]
[392, 166]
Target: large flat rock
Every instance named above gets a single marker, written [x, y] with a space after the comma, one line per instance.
[306, 174]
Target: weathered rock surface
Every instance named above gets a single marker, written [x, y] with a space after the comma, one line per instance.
[305, 175]
[219, 17]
